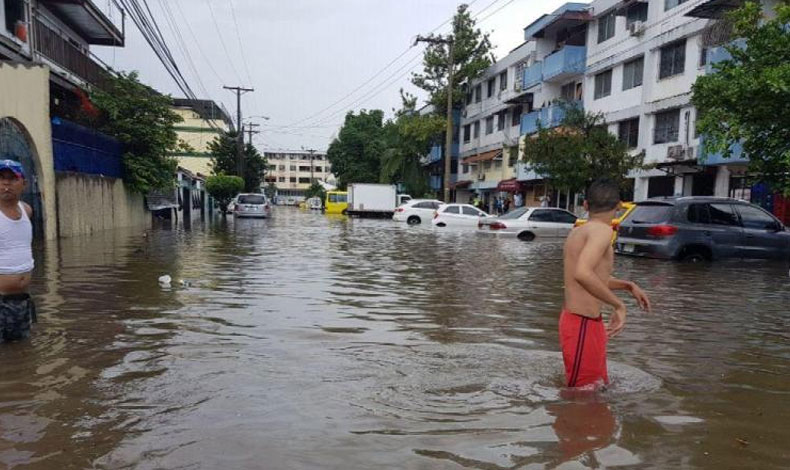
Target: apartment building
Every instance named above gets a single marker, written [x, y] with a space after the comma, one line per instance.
[294, 172]
[203, 121]
[489, 128]
[433, 161]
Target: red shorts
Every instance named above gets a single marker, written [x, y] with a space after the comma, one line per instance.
[583, 343]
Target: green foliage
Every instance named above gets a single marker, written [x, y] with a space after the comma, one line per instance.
[270, 190]
[355, 154]
[577, 152]
[315, 190]
[746, 99]
[143, 121]
[471, 56]
[224, 188]
[223, 160]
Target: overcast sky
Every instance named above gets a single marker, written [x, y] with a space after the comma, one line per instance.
[302, 56]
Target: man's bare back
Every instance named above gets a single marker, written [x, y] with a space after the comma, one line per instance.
[577, 299]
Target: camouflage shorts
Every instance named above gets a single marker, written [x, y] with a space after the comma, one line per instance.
[17, 313]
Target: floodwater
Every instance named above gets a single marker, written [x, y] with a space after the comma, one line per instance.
[307, 342]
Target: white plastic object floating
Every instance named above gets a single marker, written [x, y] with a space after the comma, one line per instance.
[165, 280]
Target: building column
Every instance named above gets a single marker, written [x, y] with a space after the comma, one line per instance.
[640, 188]
[722, 185]
[678, 185]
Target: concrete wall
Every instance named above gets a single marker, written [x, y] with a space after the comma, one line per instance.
[24, 97]
[92, 203]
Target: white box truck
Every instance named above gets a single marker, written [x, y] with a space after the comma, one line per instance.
[374, 200]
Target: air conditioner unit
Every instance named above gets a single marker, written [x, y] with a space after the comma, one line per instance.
[481, 176]
[676, 152]
[689, 153]
[636, 28]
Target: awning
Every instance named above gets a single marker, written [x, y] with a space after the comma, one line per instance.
[88, 21]
[509, 186]
[482, 157]
[460, 184]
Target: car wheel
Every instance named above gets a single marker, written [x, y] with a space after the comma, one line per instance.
[526, 236]
[441, 224]
[413, 220]
[694, 255]
[345, 212]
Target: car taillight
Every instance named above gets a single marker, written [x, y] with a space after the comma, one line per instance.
[662, 230]
[497, 226]
[399, 209]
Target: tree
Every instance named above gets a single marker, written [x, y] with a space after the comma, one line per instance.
[142, 120]
[746, 99]
[578, 151]
[355, 154]
[315, 190]
[471, 57]
[408, 138]
[270, 190]
[224, 160]
[224, 188]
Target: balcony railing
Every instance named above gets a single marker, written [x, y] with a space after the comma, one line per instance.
[570, 60]
[548, 117]
[54, 47]
[532, 75]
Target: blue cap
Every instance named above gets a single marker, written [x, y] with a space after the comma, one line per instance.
[14, 166]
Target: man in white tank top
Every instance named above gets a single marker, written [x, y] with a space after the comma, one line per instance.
[17, 310]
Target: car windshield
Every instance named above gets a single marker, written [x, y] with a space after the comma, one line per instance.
[650, 214]
[515, 214]
[252, 200]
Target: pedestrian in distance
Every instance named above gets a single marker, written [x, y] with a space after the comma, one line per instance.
[506, 205]
[588, 263]
[17, 311]
[498, 206]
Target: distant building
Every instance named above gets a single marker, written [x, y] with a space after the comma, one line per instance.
[293, 172]
[204, 120]
[433, 162]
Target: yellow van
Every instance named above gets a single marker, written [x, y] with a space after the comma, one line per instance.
[336, 202]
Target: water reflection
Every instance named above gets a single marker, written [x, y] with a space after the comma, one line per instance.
[321, 342]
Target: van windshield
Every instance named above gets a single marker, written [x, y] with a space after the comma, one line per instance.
[256, 200]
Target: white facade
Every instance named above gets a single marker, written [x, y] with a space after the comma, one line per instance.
[294, 172]
[662, 100]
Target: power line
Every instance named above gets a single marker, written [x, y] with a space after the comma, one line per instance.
[194, 38]
[222, 41]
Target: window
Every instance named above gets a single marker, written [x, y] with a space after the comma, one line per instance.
[319, 169]
[338, 197]
[650, 213]
[673, 59]
[503, 80]
[698, 214]
[606, 27]
[722, 214]
[252, 200]
[758, 219]
[489, 125]
[469, 97]
[636, 12]
[541, 215]
[516, 118]
[478, 93]
[703, 56]
[491, 87]
[304, 168]
[667, 127]
[293, 167]
[497, 164]
[563, 217]
[281, 167]
[476, 132]
[500, 120]
[272, 167]
[465, 168]
[568, 91]
[452, 210]
[14, 12]
[467, 132]
[471, 211]
[292, 179]
[281, 179]
[632, 73]
[304, 180]
[603, 84]
[670, 4]
[425, 205]
[487, 165]
[515, 214]
[628, 132]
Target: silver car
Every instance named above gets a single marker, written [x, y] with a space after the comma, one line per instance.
[252, 205]
[529, 223]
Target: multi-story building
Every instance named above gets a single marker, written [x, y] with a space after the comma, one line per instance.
[293, 172]
[642, 59]
[433, 162]
[489, 131]
[553, 80]
[203, 121]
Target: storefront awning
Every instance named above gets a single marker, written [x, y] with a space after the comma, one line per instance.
[461, 184]
[482, 157]
[509, 186]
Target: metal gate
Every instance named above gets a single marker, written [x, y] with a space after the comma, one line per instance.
[14, 145]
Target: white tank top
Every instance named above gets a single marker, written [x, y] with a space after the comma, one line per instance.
[16, 236]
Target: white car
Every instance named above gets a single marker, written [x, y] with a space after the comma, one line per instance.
[528, 223]
[458, 215]
[416, 211]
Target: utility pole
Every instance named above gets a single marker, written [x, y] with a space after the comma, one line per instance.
[312, 165]
[448, 139]
[249, 130]
[239, 127]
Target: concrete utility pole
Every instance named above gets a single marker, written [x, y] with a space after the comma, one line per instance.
[312, 165]
[239, 126]
[249, 130]
[448, 138]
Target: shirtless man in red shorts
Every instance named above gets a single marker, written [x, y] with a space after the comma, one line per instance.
[588, 263]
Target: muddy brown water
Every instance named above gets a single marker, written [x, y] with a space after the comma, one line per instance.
[308, 341]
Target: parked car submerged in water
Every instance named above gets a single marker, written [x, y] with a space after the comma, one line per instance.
[416, 211]
[252, 205]
[457, 215]
[700, 228]
[529, 223]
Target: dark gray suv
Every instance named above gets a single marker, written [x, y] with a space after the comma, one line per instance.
[702, 228]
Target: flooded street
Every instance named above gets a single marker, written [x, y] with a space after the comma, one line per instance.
[307, 341]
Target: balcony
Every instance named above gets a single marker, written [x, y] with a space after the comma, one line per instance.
[65, 54]
[89, 21]
[568, 61]
[547, 117]
[533, 75]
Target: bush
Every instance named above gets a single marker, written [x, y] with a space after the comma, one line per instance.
[224, 188]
